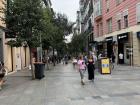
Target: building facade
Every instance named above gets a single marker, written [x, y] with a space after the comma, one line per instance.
[87, 17]
[119, 30]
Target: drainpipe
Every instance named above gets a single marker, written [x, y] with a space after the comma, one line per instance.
[25, 55]
[131, 51]
[12, 57]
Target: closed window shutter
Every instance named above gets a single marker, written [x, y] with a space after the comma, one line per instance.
[138, 12]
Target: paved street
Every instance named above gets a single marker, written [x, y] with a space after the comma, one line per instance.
[61, 86]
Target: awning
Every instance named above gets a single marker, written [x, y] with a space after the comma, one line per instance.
[99, 39]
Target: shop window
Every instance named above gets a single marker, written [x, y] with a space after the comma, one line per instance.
[118, 2]
[97, 30]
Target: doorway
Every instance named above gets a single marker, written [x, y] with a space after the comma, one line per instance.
[121, 50]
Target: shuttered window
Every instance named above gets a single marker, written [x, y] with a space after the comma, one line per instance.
[109, 24]
[138, 12]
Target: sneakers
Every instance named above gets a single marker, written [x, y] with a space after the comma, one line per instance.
[82, 82]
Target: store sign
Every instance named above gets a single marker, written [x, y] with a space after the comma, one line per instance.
[109, 39]
[138, 35]
[123, 36]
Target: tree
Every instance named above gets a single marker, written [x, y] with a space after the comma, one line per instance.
[56, 28]
[24, 20]
[78, 44]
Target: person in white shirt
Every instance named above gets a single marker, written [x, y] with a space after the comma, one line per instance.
[74, 61]
[94, 57]
[121, 58]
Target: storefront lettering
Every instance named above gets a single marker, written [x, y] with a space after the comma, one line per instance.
[121, 37]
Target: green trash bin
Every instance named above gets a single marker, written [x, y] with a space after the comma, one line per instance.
[39, 70]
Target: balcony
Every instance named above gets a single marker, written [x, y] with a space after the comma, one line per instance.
[98, 10]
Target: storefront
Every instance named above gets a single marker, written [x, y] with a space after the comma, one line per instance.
[125, 48]
[109, 46]
[138, 35]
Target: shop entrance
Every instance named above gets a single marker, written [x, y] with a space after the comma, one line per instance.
[121, 50]
[109, 49]
[122, 42]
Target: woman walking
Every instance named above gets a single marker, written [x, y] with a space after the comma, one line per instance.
[91, 68]
[81, 68]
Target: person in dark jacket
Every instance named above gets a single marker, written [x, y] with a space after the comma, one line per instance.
[91, 68]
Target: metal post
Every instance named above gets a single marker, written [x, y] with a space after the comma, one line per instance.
[40, 48]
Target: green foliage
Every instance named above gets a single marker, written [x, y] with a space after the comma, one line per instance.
[14, 43]
[24, 19]
[29, 21]
[78, 44]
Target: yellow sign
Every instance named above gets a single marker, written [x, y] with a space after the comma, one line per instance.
[105, 66]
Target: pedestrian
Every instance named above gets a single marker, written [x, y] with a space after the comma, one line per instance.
[113, 58]
[94, 57]
[85, 59]
[2, 74]
[74, 61]
[81, 68]
[91, 68]
[121, 58]
[66, 59]
[100, 56]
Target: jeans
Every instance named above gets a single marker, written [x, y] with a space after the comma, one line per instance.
[82, 72]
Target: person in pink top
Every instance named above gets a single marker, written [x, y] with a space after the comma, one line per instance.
[81, 68]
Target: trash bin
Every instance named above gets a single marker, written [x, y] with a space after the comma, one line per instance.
[39, 70]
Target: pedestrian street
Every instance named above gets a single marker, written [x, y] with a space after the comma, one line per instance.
[61, 86]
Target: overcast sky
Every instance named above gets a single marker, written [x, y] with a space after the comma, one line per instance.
[68, 7]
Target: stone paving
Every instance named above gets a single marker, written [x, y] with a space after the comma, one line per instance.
[61, 86]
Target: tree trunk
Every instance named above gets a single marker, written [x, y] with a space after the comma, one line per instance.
[53, 58]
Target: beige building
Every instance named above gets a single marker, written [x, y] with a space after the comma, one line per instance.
[13, 58]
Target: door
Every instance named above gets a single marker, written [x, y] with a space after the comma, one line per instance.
[127, 56]
[121, 50]
[18, 61]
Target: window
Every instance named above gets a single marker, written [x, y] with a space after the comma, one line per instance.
[119, 24]
[138, 12]
[107, 5]
[126, 21]
[119, 18]
[97, 30]
[118, 2]
[101, 29]
[109, 24]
